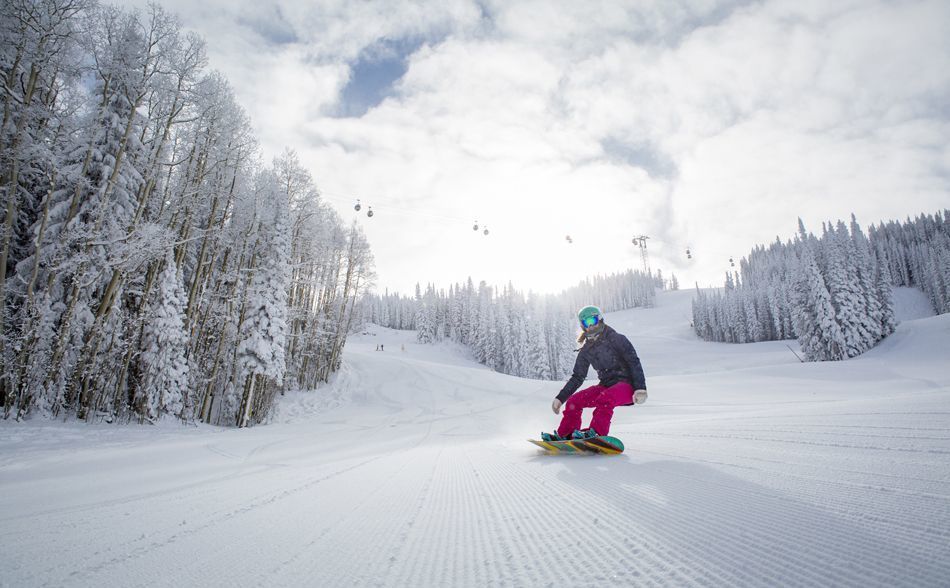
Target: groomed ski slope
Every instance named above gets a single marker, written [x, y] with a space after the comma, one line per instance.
[745, 468]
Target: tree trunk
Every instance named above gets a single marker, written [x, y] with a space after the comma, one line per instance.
[247, 402]
[13, 197]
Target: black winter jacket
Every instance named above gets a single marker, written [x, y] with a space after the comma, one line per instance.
[614, 358]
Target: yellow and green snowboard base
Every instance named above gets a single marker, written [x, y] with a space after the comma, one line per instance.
[603, 445]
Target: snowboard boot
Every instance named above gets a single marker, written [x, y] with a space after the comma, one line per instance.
[552, 437]
[584, 434]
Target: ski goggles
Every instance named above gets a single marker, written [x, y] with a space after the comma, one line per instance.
[590, 321]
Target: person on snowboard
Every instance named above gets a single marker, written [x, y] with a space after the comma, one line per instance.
[622, 382]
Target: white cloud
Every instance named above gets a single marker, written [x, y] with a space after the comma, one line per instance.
[708, 124]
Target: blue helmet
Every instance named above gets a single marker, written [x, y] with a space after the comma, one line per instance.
[589, 316]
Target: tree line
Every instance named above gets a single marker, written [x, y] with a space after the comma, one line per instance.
[529, 336]
[832, 293]
[151, 264]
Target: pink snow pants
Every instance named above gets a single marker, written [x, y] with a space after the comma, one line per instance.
[602, 400]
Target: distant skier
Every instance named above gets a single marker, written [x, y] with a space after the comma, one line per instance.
[622, 382]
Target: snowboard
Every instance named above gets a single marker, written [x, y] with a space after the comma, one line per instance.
[604, 445]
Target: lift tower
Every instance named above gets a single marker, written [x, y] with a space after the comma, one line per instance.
[641, 241]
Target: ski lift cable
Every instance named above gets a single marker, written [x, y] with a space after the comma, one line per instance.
[364, 202]
[688, 250]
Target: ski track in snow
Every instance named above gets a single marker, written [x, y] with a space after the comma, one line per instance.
[745, 468]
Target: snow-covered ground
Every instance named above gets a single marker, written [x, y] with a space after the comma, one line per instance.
[745, 467]
[911, 303]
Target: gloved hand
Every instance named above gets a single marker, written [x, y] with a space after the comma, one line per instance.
[639, 396]
[556, 406]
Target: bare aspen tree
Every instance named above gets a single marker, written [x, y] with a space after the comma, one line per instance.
[37, 41]
[135, 212]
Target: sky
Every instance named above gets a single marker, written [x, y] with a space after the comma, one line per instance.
[704, 125]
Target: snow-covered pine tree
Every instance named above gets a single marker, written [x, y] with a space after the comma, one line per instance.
[873, 319]
[562, 335]
[470, 319]
[436, 312]
[773, 302]
[163, 365]
[518, 332]
[883, 291]
[505, 336]
[423, 326]
[538, 362]
[700, 310]
[942, 269]
[754, 327]
[261, 352]
[445, 323]
[486, 348]
[819, 335]
[456, 312]
[846, 297]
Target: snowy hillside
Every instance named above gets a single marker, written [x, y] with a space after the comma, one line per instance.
[745, 467]
[911, 303]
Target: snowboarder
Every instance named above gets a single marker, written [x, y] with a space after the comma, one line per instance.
[622, 382]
